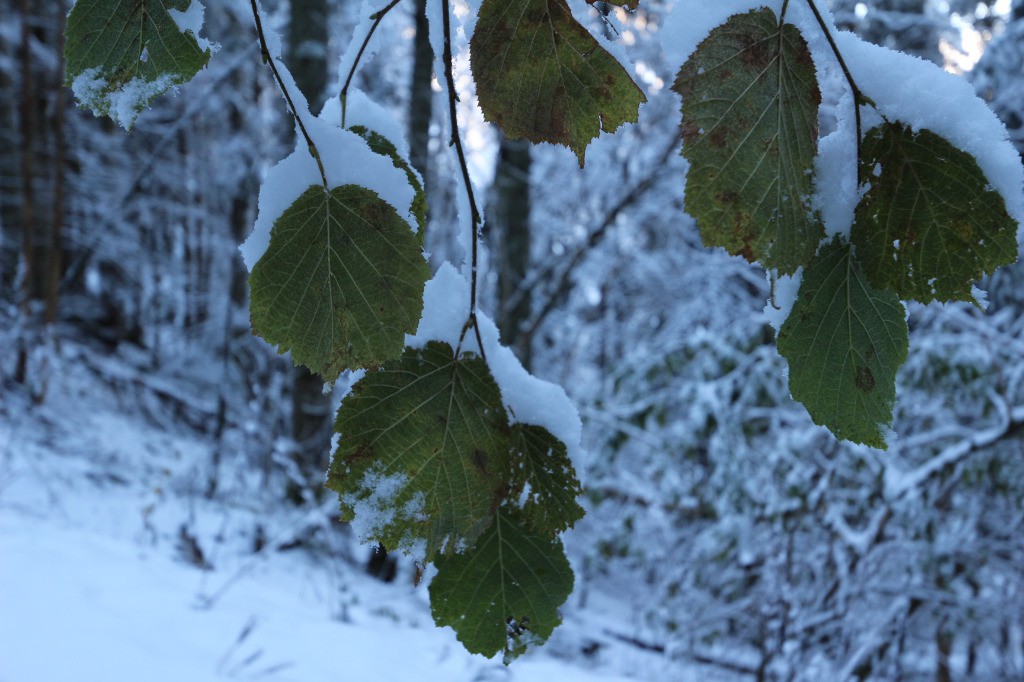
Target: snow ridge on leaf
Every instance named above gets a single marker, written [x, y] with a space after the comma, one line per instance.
[845, 341]
[541, 76]
[750, 131]
[341, 282]
[122, 55]
[930, 225]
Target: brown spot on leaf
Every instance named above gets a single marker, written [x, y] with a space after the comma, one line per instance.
[864, 379]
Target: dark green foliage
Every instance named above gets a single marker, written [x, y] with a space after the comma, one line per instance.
[341, 282]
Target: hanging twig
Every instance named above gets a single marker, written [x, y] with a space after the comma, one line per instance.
[457, 142]
[268, 59]
[377, 17]
[858, 96]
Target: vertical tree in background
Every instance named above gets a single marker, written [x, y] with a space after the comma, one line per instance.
[508, 220]
[306, 57]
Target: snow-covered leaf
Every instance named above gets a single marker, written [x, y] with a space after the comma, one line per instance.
[341, 282]
[382, 145]
[423, 451]
[503, 594]
[122, 55]
[750, 131]
[930, 225]
[844, 341]
[541, 76]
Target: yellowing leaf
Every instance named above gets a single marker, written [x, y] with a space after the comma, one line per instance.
[541, 76]
[750, 131]
[341, 283]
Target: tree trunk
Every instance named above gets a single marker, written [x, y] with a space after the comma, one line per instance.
[27, 127]
[311, 409]
[421, 96]
[509, 224]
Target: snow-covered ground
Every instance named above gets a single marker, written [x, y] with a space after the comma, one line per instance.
[115, 566]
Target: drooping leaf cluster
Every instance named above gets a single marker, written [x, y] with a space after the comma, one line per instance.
[431, 459]
[928, 226]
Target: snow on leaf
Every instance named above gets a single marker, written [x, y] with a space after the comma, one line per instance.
[541, 76]
[438, 422]
[750, 131]
[844, 341]
[341, 282]
[383, 146]
[930, 225]
[543, 480]
[503, 594]
[122, 55]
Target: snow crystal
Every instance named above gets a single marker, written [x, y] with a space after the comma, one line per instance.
[124, 104]
[374, 502]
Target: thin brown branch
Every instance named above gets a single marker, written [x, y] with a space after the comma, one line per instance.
[268, 59]
[377, 17]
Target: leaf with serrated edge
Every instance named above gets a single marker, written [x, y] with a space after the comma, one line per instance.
[543, 480]
[542, 77]
[341, 282]
[424, 448]
[750, 131]
[122, 55]
[930, 225]
[383, 146]
[844, 341]
[503, 594]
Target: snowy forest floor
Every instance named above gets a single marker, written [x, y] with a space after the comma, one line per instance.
[115, 565]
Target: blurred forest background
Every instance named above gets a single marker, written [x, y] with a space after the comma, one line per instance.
[745, 540]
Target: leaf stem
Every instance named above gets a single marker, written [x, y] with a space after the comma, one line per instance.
[377, 17]
[858, 96]
[268, 59]
[457, 142]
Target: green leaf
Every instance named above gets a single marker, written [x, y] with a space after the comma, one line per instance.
[341, 282]
[930, 225]
[541, 76]
[543, 479]
[504, 593]
[750, 132]
[383, 146]
[844, 341]
[424, 450]
[122, 55]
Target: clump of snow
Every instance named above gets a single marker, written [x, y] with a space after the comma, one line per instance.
[529, 400]
[784, 293]
[360, 110]
[375, 508]
[347, 160]
[355, 43]
[191, 21]
[688, 23]
[922, 95]
[123, 105]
